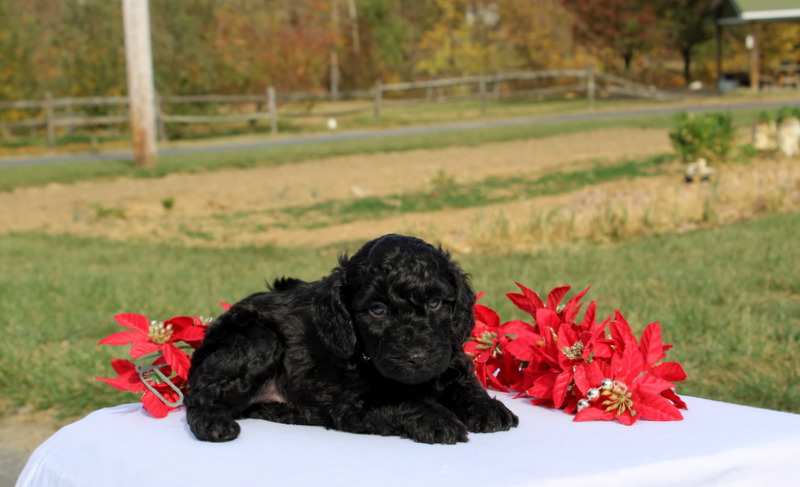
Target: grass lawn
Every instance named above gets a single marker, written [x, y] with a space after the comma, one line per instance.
[728, 298]
[14, 177]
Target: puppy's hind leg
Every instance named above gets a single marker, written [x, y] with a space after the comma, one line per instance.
[228, 372]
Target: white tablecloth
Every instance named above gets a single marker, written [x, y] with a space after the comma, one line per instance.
[716, 444]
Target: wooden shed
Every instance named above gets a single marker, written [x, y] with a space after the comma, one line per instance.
[735, 12]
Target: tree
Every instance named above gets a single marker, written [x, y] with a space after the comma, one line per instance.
[686, 26]
[625, 26]
[538, 32]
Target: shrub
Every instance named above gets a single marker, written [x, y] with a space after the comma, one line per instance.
[788, 112]
[708, 135]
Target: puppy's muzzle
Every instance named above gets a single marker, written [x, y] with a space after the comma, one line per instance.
[416, 358]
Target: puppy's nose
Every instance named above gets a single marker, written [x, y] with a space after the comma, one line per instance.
[417, 357]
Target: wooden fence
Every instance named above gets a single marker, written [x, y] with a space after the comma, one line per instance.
[586, 82]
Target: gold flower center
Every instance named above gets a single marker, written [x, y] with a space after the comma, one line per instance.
[618, 398]
[574, 352]
[159, 333]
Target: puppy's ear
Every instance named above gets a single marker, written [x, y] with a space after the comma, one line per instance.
[463, 317]
[331, 317]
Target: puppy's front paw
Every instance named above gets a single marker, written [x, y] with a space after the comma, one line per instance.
[487, 415]
[434, 426]
[213, 427]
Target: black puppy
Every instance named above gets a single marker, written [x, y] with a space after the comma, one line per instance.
[376, 347]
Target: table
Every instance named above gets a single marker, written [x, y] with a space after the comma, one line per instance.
[716, 444]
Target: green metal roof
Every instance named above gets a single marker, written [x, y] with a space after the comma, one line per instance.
[739, 11]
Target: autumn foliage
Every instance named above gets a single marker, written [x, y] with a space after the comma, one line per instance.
[75, 47]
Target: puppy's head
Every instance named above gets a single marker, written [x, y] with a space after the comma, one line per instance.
[409, 306]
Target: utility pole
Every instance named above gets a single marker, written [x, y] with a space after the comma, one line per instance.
[335, 50]
[356, 42]
[141, 89]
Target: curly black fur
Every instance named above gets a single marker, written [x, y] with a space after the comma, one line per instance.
[376, 347]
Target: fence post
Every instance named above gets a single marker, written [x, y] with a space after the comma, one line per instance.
[51, 129]
[376, 114]
[70, 114]
[590, 85]
[162, 126]
[273, 110]
[482, 89]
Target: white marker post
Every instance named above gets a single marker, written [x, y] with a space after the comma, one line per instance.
[141, 89]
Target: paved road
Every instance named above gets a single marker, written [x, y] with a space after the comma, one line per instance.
[398, 132]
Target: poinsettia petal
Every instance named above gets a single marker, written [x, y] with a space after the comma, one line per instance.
[547, 318]
[133, 320]
[566, 339]
[521, 302]
[494, 383]
[123, 367]
[588, 376]
[480, 373]
[571, 312]
[657, 408]
[478, 296]
[191, 333]
[180, 321]
[672, 396]
[560, 386]
[555, 296]
[576, 299]
[518, 328]
[543, 387]
[593, 414]
[590, 315]
[128, 379]
[650, 385]
[154, 405]
[621, 332]
[486, 315]
[177, 359]
[121, 338]
[225, 305]
[540, 357]
[627, 419]
[670, 371]
[534, 298]
[141, 349]
[651, 344]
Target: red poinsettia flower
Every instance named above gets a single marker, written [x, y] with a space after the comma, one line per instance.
[562, 363]
[190, 321]
[554, 359]
[148, 337]
[130, 380]
[530, 302]
[629, 388]
[488, 340]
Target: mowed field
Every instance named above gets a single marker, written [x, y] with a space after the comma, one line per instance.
[715, 262]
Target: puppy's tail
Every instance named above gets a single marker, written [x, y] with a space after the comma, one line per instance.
[284, 284]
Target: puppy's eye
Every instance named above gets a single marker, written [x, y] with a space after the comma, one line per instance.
[377, 310]
[434, 304]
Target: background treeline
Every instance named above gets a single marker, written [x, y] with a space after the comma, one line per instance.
[75, 47]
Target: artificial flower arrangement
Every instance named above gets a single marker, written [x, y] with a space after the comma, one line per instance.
[576, 366]
[161, 370]
[558, 362]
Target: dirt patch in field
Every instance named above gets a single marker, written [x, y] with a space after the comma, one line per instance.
[205, 204]
[238, 207]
